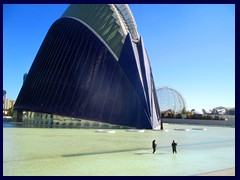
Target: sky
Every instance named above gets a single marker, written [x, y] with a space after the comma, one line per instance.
[191, 47]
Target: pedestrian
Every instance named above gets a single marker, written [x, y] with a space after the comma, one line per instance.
[174, 147]
[154, 145]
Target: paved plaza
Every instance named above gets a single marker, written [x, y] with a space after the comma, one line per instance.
[88, 152]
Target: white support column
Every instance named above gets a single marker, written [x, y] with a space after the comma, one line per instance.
[49, 119]
[35, 119]
[75, 122]
[44, 119]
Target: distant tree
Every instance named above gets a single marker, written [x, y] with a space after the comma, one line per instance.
[184, 111]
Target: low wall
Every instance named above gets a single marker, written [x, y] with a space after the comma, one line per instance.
[230, 122]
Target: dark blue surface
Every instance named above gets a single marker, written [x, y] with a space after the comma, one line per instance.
[75, 75]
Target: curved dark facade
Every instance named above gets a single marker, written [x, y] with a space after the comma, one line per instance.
[74, 74]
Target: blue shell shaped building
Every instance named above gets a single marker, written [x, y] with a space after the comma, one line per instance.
[92, 67]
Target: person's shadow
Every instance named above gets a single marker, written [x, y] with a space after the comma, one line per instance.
[158, 153]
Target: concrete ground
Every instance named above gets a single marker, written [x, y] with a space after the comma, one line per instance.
[202, 150]
[225, 172]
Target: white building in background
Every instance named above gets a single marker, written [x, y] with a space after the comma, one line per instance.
[8, 103]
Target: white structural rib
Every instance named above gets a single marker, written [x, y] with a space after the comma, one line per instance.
[129, 19]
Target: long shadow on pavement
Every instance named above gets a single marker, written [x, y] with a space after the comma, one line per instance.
[103, 152]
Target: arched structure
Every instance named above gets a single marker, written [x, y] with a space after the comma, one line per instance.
[170, 99]
[92, 65]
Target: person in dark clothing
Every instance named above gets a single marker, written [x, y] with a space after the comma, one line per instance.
[174, 147]
[154, 145]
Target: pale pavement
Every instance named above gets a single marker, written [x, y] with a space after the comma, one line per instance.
[225, 172]
[85, 152]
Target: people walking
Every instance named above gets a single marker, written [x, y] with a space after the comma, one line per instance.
[174, 147]
[154, 145]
